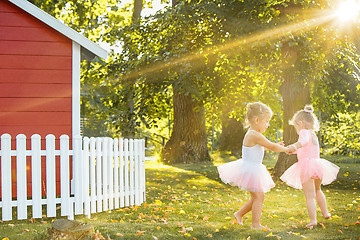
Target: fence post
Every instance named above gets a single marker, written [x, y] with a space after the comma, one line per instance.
[65, 177]
[121, 172]
[111, 172]
[141, 169]
[143, 193]
[99, 192]
[126, 171]
[78, 174]
[105, 184]
[92, 175]
[137, 182]
[116, 172]
[36, 175]
[6, 193]
[131, 158]
[50, 176]
[86, 175]
[21, 176]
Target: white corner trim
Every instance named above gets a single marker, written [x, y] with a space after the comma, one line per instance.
[76, 89]
[60, 27]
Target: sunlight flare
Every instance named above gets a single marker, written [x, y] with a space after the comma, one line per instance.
[348, 10]
[256, 38]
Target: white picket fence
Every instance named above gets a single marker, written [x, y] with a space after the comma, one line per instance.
[107, 174]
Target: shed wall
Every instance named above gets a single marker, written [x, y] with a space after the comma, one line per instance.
[35, 82]
[35, 76]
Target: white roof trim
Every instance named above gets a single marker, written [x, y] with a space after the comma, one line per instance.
[60, 27]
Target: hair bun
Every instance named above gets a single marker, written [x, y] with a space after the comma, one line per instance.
[309, 109]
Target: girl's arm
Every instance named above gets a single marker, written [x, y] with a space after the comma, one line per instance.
[304, 137]
[258, 138]
[293, 147]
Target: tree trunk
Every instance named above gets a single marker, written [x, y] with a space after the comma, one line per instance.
[188, 141]
[232, 135]
[128, 130]
[295, 96]
[138, 6]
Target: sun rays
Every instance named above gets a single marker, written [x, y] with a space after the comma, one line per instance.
[318, 18]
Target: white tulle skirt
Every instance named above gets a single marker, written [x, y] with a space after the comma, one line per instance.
[247, 175]
[317, 168]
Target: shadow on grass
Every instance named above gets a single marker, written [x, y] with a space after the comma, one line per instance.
[208, 169]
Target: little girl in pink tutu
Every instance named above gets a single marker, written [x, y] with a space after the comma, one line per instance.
[249, 173]
[310, 171]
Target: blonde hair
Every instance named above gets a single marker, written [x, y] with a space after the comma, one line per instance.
[308, 118]
[256, 110]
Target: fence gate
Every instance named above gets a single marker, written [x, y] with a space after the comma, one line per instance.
[106, 174]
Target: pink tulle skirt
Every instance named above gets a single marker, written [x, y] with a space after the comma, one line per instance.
[247, 175]
[317, 168]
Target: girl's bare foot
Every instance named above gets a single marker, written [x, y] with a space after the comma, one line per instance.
[239, 218]
[327, 216]
[311, 225]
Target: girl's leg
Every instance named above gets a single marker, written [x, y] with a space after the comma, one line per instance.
[309, 191]
[320, 198]
[243, 210]
[258, 201]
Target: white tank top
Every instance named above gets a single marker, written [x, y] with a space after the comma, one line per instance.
[253, 154]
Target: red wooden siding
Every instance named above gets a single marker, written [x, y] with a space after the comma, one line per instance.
[35, 75]
[35, 79]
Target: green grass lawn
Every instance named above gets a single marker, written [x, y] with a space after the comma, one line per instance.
[190, 202]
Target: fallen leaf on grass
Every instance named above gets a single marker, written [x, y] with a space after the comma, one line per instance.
[294, 233]
[11, 225]
[98, 236]
[26, 230]
[138, 232]
[322, 225]
[119, 234]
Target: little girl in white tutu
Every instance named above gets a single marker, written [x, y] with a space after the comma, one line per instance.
[249, 173]
[310, 171]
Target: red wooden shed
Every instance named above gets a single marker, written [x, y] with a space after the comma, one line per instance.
[40, 72]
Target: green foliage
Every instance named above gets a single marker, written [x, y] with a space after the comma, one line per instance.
[341, 134]
[337, 90]
[195, 49]
[223, 53]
